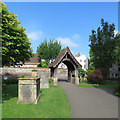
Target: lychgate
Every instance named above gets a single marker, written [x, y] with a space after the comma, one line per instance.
[66, 57]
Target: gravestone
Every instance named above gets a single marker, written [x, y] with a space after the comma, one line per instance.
[29, 89]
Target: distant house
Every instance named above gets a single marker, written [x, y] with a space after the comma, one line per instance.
[83, 60]
[34, 61]
[114, 70]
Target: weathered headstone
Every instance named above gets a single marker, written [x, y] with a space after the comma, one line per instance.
[29, 89]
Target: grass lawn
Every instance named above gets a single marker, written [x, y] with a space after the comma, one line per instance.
[0, 111]
[52, 104]
[106, 84]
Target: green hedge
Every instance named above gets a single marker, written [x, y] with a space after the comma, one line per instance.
[10, 80]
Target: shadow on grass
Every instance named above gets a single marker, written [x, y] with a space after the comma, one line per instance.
[107, 90]
[9, 91]
[107, 86]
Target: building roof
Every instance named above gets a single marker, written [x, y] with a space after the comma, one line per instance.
[78, 55]
[33, 59]
[61, 55]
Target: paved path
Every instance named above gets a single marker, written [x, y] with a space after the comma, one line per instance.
[90, 102]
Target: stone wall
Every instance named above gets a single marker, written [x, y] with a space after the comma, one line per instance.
[43, 73]
[62, 73]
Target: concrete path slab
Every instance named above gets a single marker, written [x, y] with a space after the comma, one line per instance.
[90, 102]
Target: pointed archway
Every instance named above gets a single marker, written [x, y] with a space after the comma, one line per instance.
[66, 57]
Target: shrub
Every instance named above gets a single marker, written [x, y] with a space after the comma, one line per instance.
[11, 80]
[84, 81]
[8, 78]
[114, 78]
[117, 94]
[39, 65]
[81, 72]
[21, 76]
[97, 76]
[50, 81]
[89, 72]
[117, 89]
[44, 64]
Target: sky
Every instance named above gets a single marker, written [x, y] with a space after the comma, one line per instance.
[70, 23]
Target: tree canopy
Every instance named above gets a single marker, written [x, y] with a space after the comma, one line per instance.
[117, 50]
[15, 43]
[102, 46]
[48, 50]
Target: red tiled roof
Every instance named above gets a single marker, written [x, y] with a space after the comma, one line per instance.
[61, 54]
[33, 59]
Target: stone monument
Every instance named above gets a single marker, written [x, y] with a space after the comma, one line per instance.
[29, 89]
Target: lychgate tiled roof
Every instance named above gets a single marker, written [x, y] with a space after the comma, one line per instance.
[58, 58]
[61, 54]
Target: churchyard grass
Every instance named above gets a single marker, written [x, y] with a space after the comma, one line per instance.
[53, 103]
[106, 84]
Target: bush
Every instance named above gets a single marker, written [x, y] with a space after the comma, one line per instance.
[114, 78]
[44, 64]
[81, 72]
[84, 81]
[21, 76]
[39, 65]
[50, 81]
[117, 89]
[8, 78]
[97, 76]
[11, 80]
[117, 94]
[89, 72]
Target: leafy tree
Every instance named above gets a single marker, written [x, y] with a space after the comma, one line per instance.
[81, 72]
[15, 43]
[91, 64]
[43, 51]
[54, 49]
[102, 45]
[117, 50]
[48, 50]
[0, 34]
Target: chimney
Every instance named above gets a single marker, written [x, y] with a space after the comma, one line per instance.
[78, 55]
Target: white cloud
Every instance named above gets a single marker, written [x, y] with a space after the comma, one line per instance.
[67, 42]
[76, 36]
[35, 35]
[116, 32]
